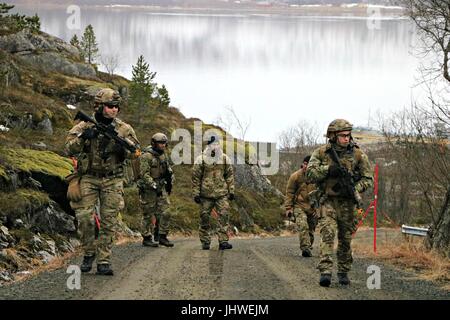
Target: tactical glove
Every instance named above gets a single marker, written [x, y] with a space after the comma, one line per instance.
[89, 133]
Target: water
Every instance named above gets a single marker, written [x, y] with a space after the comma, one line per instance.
[275, 70]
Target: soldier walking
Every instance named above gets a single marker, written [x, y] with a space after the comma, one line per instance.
[213, 187]
[100, 165]
[297, 204]
[155, 186]
[342, 171]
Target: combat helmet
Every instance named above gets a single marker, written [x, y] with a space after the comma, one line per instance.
[107, 96]
[159, 138]
[338, 125]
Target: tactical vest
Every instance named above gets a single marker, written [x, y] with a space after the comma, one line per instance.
[350, 158]
[159, 164]
[101, 157]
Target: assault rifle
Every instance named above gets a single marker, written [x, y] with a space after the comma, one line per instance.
[346, 180]
[109, 132]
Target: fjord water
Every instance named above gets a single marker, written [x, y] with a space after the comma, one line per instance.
[276, 69]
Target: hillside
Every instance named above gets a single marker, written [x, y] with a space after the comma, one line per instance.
[42, 77]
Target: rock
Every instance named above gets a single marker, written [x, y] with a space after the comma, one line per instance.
[6, 239]
[45, 126]
[74, 242]
[54, 62]
[45, 256]
[52, 219]
[5, 276]
[47, 53]
[18, 223]
[36, 243]
[52, 247]
[250, 177]
[16, 43]
[40, 146]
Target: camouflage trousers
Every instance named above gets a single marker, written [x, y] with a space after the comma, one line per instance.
[336, 215]
[105, 194]
[306, 225]
[217, 219]
[152, 205]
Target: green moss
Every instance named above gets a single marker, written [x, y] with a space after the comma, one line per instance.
[3, 173]
[22, 200]
[28, 160]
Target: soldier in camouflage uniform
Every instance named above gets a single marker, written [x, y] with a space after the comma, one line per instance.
[100, 164]
[155, 184]
[298, 205]
[212, 187]
[338, 206]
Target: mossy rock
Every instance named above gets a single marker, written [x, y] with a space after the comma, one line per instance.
[28, 160]
[22, 200]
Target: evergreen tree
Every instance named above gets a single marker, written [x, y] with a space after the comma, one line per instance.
[163, 95]
[141, 87]
[4, 8]
[89, 46]
[74, 41]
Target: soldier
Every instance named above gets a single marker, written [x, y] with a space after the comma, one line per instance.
[298, 205]
[155, 185]
[100, 164]
[340, 185]
[212, 187]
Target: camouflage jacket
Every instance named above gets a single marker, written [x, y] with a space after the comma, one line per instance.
[212, 178]
[154, 170]
[352, 158]
[99, 154]
[297, 192]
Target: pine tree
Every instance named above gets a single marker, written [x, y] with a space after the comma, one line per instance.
[74, 41]
[4, 8]
[163, 95]
[89, 46]
[141, 87]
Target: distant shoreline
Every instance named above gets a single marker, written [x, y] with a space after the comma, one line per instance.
[360, 10]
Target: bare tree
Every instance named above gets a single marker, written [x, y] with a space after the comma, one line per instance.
[432, 18]
[232, 122]
[297, 137]
[111, 62]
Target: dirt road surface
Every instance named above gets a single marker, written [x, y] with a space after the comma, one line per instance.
[256, 268]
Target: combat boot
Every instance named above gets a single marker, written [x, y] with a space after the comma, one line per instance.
[343, 278]
[164, 241]
[325, 279]
[156, 236]
[306, 253]
[205, 246]
[148, 242]
[225, 245]
[104, 269]
[86, 265]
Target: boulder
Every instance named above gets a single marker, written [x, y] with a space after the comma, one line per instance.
[52, 219]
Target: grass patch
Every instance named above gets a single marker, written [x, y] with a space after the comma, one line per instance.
[412, 256]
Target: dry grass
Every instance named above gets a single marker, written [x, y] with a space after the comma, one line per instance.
[411, 255]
